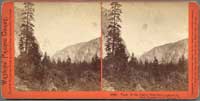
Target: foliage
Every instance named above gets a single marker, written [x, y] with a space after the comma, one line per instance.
[64, 75]
[149, 75]
[115, 47]
[30, 54]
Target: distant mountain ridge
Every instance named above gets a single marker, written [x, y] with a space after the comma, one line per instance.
[167, 52]
[80, 52]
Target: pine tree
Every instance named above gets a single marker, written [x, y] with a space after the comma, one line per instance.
[181, 60]
[115, 47]
[30, 55]
[28, 44]
[133, 61]
[155, 62]
[96, 63]
[113, 35]
[156, 70]
[68, 61]
[59, 63]
[46, 60]
[26, 28]
[182, 64]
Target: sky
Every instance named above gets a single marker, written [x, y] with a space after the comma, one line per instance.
[149, 24]
[144, 24]
[58, 25]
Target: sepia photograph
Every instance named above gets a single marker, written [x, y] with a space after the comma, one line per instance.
[100, 49]
[57, 46]
[145, 46]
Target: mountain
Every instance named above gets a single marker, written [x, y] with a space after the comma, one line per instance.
[83, 51]
[167, 52]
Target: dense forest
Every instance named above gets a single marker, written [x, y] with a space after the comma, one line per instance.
[35, 70]
[146, 76]
[127, 73]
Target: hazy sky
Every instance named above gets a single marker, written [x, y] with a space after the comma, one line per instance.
[144, 24]
[149, 24]
[58, 25]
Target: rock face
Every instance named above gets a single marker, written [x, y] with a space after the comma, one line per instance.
[168, 52]
[84, 51]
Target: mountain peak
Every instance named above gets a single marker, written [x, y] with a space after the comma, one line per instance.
[170, 52]
[80, 52]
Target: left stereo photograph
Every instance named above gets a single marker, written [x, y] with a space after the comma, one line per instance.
[57, 48]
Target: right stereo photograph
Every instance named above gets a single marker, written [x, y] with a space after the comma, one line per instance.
[145, 46]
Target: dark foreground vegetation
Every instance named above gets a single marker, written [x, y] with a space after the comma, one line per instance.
[146, 76]
[57, 75]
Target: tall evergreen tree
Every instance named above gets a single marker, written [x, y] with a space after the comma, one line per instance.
[26, 28]
[96, 63]
[182, 64]
[115, 47]
[113, 29]
[68, 61]
[30, 55]
[155, 62]
[46, 60]
[133, 61]
[28, 44]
